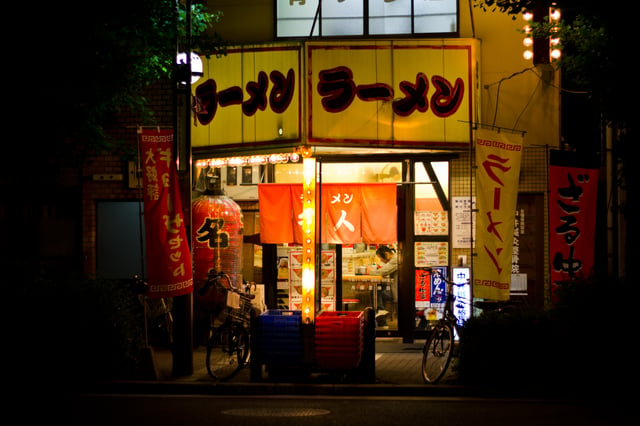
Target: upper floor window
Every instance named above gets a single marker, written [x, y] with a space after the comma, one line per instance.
[331, 18]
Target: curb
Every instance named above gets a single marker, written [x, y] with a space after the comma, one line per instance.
[256, 389]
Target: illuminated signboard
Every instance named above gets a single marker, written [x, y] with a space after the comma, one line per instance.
[400, 93]
[403, 93]
[250, 96]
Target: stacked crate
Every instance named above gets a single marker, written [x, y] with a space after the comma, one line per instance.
[280, 338]
[339, 339]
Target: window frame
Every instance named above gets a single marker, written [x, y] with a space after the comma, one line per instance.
[317, 24]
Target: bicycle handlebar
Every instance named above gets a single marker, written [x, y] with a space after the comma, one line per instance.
[212, 278]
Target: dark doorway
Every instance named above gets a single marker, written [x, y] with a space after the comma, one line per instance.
[120, 236]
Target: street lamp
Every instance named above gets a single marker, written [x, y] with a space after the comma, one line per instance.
[194, 62]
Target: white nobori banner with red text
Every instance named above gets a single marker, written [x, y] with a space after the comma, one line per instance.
[498, 155]
[168, 257]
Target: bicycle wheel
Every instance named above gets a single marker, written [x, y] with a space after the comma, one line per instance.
[227, 351]
[438, 351]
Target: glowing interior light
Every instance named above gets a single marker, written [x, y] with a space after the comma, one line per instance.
[308, 215]
[555, 53]
[555, 15]
[527, 16]
[527, 41]
[308, 279]
[309, 171]
[527, 54]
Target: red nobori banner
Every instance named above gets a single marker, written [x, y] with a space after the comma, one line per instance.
[169, 270]
[351, 212]
[573, 185]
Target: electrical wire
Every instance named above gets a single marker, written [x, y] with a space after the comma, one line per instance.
[499, 83]
[527, 104]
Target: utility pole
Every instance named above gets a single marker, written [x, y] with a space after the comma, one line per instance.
[183, 305]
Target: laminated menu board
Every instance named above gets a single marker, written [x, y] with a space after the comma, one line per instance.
[327, 280]
[428, 253]
[431, 222]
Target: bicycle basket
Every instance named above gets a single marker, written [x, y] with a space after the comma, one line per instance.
[239, 307]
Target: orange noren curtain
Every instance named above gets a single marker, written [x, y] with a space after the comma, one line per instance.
[379, 214]
[351, 213]
[276, 208]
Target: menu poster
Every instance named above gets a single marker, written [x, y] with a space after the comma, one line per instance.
[431, 223]
[327, 280]
[283, 268]
[423, 288]
[464, 219]
[439, 285]
[428, 253]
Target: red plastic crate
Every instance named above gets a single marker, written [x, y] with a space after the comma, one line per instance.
[339, 339]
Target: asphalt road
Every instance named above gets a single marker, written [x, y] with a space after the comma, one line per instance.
[196, 410]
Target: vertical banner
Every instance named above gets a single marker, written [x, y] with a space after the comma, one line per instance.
[168, 256]
[498, 156]
[422, 288]
[573, 184]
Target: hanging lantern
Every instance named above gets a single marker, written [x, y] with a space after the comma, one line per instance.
[216, 243]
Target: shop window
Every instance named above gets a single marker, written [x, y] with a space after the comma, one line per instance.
[432, 185]
[431, 233]
[343, 172]
[327, 18]
[360, 286]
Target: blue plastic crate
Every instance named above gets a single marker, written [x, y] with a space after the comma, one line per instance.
[276, 318]
[280, 337]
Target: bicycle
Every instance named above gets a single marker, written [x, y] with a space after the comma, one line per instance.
[228, 347]
[440, 343]
[438, 348]
[158, 318]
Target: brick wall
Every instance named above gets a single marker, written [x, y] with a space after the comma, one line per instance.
[161, 99]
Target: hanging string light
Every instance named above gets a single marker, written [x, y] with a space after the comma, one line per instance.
[278, 158]
[542, 50]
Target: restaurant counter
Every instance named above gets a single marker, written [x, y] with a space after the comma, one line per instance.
[359, 291]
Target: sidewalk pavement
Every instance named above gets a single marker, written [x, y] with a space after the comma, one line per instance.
[397, 363]
[397, 372]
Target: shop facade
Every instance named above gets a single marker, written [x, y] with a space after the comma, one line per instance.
[390, 125]
[372, 112]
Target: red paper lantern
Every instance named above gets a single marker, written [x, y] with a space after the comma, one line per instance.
[216, 243]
